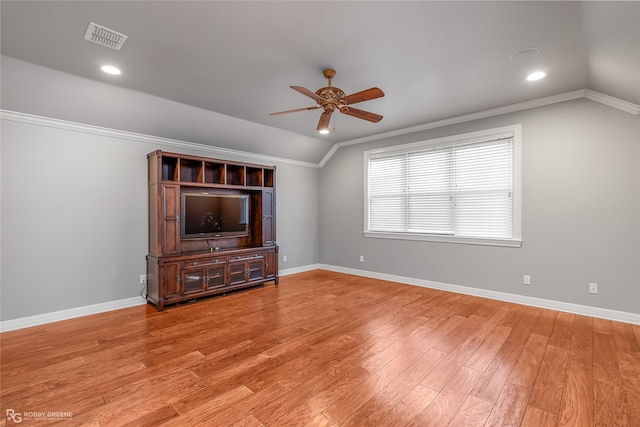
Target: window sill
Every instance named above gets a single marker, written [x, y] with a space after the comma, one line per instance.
[510, 243]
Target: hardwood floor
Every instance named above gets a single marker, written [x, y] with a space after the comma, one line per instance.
[326, 349]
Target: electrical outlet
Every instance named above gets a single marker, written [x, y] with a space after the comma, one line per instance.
[284, 258]
[593, 288]
[143, 279]
[526, 279]
[361, 258]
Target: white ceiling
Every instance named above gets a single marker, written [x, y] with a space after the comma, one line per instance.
[433, 60]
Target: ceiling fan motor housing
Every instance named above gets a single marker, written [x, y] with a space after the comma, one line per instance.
[331, 95]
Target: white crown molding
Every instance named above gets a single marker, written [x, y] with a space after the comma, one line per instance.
[569, 96]
[330, 154]
[147, 139]
[72, 313]
[619, 104]
[592, 95]
[602, 313]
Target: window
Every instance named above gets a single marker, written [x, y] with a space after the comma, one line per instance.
[462, 189]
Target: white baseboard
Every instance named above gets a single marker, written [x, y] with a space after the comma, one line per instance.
[56, 316]
[72, 313]
[41, 319]
[295, 270]
[602, 313]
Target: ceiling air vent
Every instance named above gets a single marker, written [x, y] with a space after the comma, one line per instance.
[104, 36]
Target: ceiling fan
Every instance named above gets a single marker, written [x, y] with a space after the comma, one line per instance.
[332, 98]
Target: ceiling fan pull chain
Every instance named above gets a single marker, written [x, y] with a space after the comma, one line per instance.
[334, 123]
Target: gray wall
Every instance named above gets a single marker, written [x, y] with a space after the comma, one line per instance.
[580, 220]
[73, 206]
[74, 217]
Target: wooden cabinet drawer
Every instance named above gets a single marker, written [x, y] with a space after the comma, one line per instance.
[204, 262]
[246, 257]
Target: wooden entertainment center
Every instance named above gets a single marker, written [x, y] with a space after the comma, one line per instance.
[182, 266]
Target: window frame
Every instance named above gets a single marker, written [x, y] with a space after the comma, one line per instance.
[512, 131]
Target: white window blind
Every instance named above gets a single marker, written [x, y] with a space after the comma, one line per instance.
[461, 189]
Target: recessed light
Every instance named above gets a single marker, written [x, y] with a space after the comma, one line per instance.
[110, 69]
[324, 131]
[536, 75]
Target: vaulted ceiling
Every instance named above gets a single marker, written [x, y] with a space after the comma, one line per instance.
[433, 60]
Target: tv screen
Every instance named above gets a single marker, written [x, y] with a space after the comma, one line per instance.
[214, 215]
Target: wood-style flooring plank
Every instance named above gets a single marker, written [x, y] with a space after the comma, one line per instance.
[351, 401]
[630, 372]
[485, 353]
[383, 402]
[547, 389]
[446, 405]
[410, 407]
[562, 331]
[499, 370]
[473, 413]
[577, 404]
[534, 417]
[328, 349]
[510, 407]
[625, 338]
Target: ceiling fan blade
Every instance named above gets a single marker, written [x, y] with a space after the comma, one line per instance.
[361, 114]
[365, 95]
[325, 119]
[305, 91]
[315, 107]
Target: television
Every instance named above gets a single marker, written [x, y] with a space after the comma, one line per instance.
[214, 215]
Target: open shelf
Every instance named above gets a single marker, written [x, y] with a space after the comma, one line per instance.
[214, 173]
[190, 170]
[211, 172]
[235, 174]
[254, 176]
[169, 168]
[268, 178]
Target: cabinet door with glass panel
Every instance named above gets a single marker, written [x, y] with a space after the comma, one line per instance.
[202, 275]
[247, 269]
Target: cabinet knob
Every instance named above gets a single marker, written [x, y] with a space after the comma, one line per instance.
[194, 262]
[178, 279]
[266, 264]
